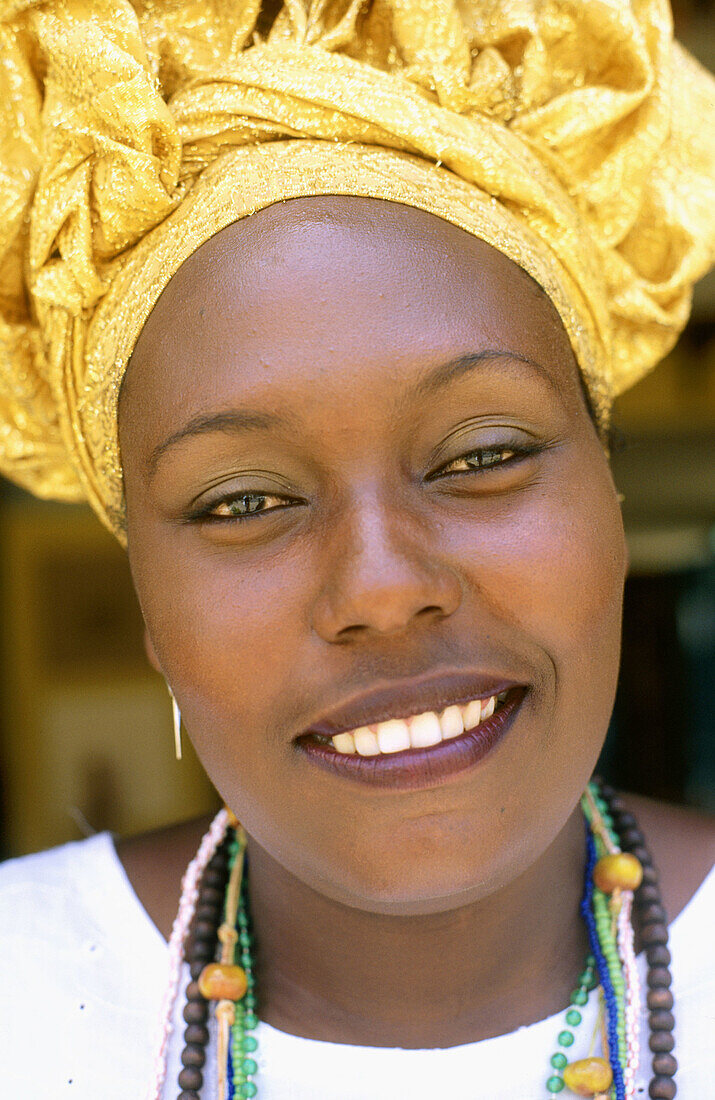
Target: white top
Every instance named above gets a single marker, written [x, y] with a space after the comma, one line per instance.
[83, 971]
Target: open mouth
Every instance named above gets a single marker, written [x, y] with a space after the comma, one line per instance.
[418, 749]
[420, 731]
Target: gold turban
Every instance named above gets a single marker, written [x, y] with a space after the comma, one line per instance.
[573, 135]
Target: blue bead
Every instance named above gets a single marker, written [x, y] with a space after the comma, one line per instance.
[231, 1093]
[601, 964]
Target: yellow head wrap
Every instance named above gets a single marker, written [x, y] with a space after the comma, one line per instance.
[573, 135]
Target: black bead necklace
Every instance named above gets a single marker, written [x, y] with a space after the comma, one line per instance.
[201, 948]
[650, 922]
[652, 931]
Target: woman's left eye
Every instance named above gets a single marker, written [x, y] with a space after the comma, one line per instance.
[484, 459]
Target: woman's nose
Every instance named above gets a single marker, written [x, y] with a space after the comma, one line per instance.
[382, 576]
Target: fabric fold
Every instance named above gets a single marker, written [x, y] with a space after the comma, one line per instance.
[573, 135]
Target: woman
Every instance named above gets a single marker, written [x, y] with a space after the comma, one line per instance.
[354, 444]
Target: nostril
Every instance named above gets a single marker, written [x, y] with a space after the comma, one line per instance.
[432, 609]
[388, 624]
[349, 632]
[384, 602]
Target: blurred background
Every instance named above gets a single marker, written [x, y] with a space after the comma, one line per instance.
[85, 723]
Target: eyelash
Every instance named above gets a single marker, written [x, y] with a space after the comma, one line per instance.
[516, 452]
[206, 514]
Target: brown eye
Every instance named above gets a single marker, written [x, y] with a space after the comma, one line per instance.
[245, 504]
[480, 460]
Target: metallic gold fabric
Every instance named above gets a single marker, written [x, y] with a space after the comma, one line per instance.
[573, 135]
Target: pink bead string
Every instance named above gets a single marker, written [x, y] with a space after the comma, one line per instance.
[187, 905]
[633, 993]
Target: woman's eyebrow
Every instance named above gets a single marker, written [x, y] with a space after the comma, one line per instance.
[455, 368]
[228, 420]
[239, 420]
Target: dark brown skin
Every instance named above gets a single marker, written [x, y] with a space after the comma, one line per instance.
[422, 918]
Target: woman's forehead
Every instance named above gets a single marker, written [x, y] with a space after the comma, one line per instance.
[341, 267]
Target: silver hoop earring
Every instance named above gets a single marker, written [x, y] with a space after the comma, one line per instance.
[176, 715]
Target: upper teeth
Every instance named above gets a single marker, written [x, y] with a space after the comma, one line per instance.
[398, 734]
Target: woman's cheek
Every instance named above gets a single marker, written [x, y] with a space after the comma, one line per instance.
[226, 649]
[239, 644]
[554, 567]
[223, 624]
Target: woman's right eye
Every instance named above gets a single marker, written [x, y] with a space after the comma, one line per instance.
[243, 506]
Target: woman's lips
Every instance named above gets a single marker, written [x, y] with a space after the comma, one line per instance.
[414, 768]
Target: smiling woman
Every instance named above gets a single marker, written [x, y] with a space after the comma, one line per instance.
[376, 548]
[323, 307]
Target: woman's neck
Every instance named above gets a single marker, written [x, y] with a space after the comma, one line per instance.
[328, 971]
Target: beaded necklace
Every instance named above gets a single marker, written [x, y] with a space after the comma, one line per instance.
[212, 933]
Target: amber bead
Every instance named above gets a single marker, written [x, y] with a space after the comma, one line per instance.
[661, 1042]
[193, 1054]
[665, 1064]
[620, 870]
[588, 1076]
[191, 1078]
[221, 981]
[663, 1088]
[654, 933]
[658, 955]
[660, 998]
[659, 977]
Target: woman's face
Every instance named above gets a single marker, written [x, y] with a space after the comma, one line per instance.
[342, 510]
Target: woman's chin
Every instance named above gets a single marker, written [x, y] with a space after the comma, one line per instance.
[417, 886]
